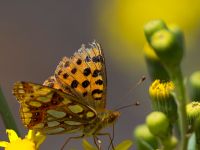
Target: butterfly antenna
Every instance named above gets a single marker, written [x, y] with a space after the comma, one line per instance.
[126, 106]
[131, 90]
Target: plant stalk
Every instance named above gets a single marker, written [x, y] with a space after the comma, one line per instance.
[177, 78]
[6, 114]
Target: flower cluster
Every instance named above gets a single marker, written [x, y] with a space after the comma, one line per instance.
[164, 52]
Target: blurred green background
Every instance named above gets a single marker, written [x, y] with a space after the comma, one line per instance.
[35, 35]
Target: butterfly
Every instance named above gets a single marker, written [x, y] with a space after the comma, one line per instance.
[72, 100]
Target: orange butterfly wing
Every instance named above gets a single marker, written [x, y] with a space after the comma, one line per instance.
[85, 75]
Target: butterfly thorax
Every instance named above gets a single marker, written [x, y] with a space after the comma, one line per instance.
[103, 120]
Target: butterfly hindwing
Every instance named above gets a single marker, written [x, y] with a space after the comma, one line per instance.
[85, 74]
[49, 110]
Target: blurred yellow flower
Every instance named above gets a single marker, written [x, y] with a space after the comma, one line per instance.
[121, 22]
[32, 141]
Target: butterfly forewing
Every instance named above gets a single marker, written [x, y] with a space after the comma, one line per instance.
[85, 75]
[49, 110]
[52, 83]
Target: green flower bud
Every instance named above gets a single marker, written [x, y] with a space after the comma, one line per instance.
[152, 27]
[167, 47]
[178, 33]
[170, 143]
[144, 138]
[158, 124]
[163, 100]
[154, 65]
[193, 112]
[194, 82]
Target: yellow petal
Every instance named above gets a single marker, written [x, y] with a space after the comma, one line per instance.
[12, 135]
[39, 139]
[3, 143]
[31, 134]
[24, 144]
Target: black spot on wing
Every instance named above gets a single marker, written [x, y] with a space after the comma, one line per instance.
[85, 83]
[87, 71]
[73, 71]
[79, 61]
[65, 76]
[59, 72]
[99, 82]
[97, 91]
[84, 94]
[98, 58]
[67, 64]
[96, 73]
[74, 84]
[87, 59]
[98, 98]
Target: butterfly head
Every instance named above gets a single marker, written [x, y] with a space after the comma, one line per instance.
[113, 116]
[109, 117]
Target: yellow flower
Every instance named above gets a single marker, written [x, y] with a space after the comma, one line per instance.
[161, 90]
[193, 111]
[32, 141]
[162, 98]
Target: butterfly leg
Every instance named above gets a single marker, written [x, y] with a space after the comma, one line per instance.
[113, 135]
[111, 139]
[70, 138]
[97, 142]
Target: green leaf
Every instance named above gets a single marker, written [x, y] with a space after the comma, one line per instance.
[124, 145]
[87, 145]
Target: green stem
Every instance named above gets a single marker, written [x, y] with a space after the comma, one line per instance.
[177, 78]
[6, 114]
